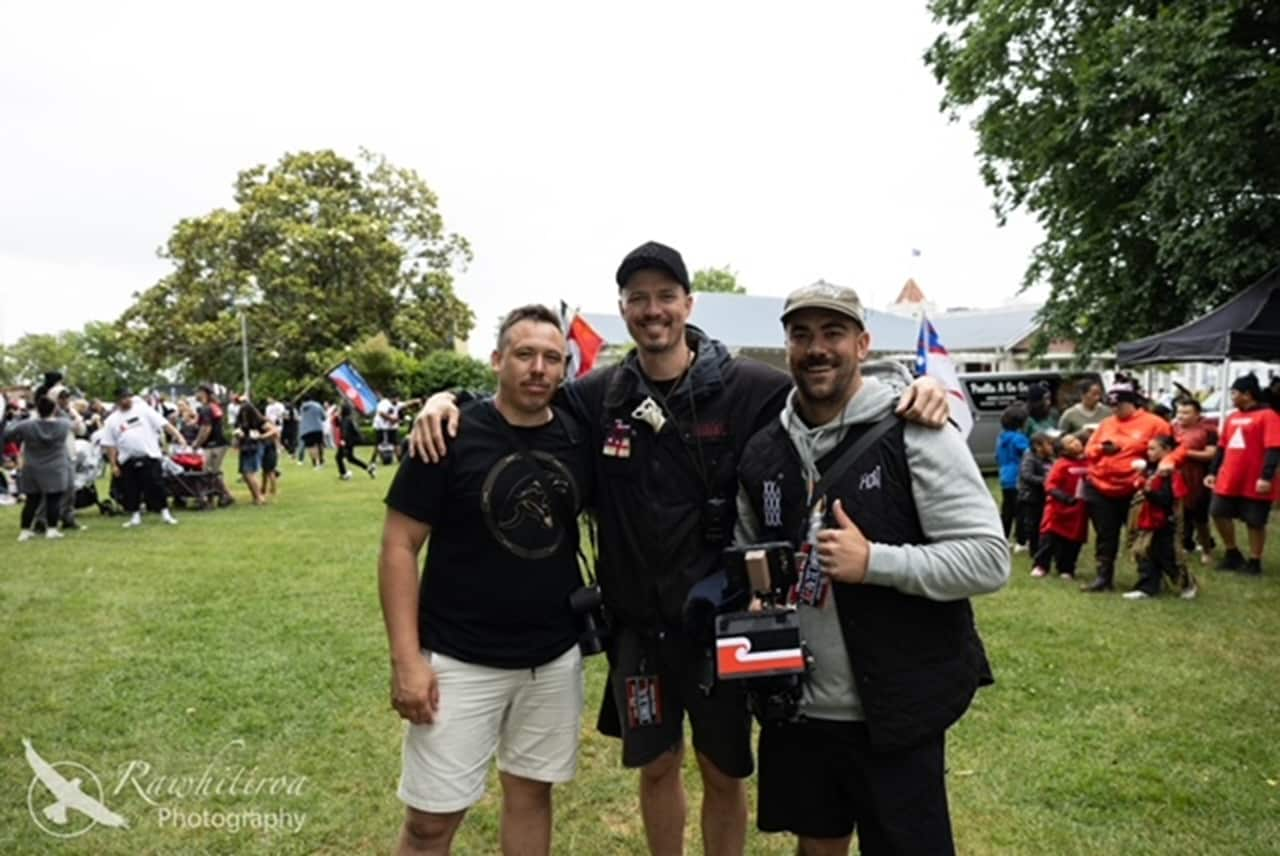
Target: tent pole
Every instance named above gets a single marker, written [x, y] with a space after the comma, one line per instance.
[1223, 385]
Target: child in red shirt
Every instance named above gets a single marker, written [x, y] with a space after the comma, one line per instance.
[1161, 495]
[1064, 527]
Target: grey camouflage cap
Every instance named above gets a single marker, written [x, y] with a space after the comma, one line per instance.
[825, 295]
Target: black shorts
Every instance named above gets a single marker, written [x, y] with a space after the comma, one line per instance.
[1197, 511]
[311, 439]
[820, 779]
[1253, 512]
[720, 722]
[270, 457]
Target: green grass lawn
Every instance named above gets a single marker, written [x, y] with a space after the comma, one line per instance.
[251, 638]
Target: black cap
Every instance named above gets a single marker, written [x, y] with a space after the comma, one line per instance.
[653, 256]
[1248, 384]
[123, 392]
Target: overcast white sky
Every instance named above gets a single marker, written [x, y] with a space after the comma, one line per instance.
[790, 141]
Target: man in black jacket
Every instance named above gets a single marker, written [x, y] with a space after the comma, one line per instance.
[667, 427]
[903, 535]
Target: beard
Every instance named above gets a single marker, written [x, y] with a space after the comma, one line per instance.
[662, 336]
[827, 387]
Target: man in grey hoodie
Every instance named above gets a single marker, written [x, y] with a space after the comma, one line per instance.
[902, 538]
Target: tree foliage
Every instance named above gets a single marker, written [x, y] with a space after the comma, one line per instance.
[448, 370]
[720, 279]
[96, 359]
[319, 252]
[1144, 137]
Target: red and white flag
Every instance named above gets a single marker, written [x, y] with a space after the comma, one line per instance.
[585, 344]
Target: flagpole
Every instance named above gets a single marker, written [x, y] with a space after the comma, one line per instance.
[321, 377]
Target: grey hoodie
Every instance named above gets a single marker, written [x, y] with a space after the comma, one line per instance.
[966, 553]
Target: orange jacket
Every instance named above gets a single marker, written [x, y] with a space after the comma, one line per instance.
[1112, 475]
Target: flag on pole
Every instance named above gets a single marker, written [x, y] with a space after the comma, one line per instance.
[933, 360]
[585, 344]
[354, 388]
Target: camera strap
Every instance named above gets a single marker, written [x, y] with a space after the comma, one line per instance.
[837, 470]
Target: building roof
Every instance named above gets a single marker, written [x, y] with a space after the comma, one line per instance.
[751, 321]
[911, 293]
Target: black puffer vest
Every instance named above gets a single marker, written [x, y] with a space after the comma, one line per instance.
[917, 662]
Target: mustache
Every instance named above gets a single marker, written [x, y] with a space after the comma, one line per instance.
[818, 363]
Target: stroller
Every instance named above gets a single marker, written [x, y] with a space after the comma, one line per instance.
[187, 483]
[87, 466]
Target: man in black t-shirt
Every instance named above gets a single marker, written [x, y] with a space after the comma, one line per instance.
[212, 439]
[484, 652]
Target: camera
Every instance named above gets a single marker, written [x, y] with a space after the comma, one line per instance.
[588, 605]
[760, 644]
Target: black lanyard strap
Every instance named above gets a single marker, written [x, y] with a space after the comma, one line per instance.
[837, 470]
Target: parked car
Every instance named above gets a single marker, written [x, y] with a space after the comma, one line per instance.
[989, 393]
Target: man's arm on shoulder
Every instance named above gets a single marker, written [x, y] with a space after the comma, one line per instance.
[923, 400]
[966, 553]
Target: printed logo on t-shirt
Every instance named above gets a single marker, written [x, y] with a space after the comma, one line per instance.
[1237, 440]
[524, 504]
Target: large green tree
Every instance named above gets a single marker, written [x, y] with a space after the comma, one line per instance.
[1143, 136]
[719, 279]
[318, 252]
[96, 359]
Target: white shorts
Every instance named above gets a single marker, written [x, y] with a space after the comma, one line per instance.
[531, 717]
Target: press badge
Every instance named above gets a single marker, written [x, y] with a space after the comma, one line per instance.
[811, 584]
[644, 700]
[618, 442]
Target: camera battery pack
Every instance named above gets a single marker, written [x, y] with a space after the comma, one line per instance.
[759, 644]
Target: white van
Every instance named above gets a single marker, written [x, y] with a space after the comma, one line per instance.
[989, 393]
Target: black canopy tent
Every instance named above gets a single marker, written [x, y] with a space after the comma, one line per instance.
[1245, 328]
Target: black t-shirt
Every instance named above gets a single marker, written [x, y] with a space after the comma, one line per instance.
[502, 557]
[211, 415]
[246, 424]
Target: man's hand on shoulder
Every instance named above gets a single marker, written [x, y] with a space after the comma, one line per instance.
[925, 402]
[426, 439]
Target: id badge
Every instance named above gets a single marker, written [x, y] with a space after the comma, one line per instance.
[644, 700]
[811, 584]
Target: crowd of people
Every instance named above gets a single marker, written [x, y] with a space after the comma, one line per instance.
[1157, 474]
[679, 454]
[163, 454]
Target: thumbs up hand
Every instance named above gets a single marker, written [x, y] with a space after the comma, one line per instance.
[843, 551]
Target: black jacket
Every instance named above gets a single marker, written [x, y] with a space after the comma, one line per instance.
[652, 493]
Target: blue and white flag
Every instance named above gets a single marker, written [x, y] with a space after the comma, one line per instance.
[354, 388]
[933, 360]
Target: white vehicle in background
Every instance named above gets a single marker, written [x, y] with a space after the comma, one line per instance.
[989, 393]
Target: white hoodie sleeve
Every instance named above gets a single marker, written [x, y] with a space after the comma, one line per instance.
[965, 553]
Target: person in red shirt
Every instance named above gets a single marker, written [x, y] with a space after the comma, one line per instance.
[1065, 525]
[1242, 475]
[1198, 441]
[1161, 492]
[1119, 440]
